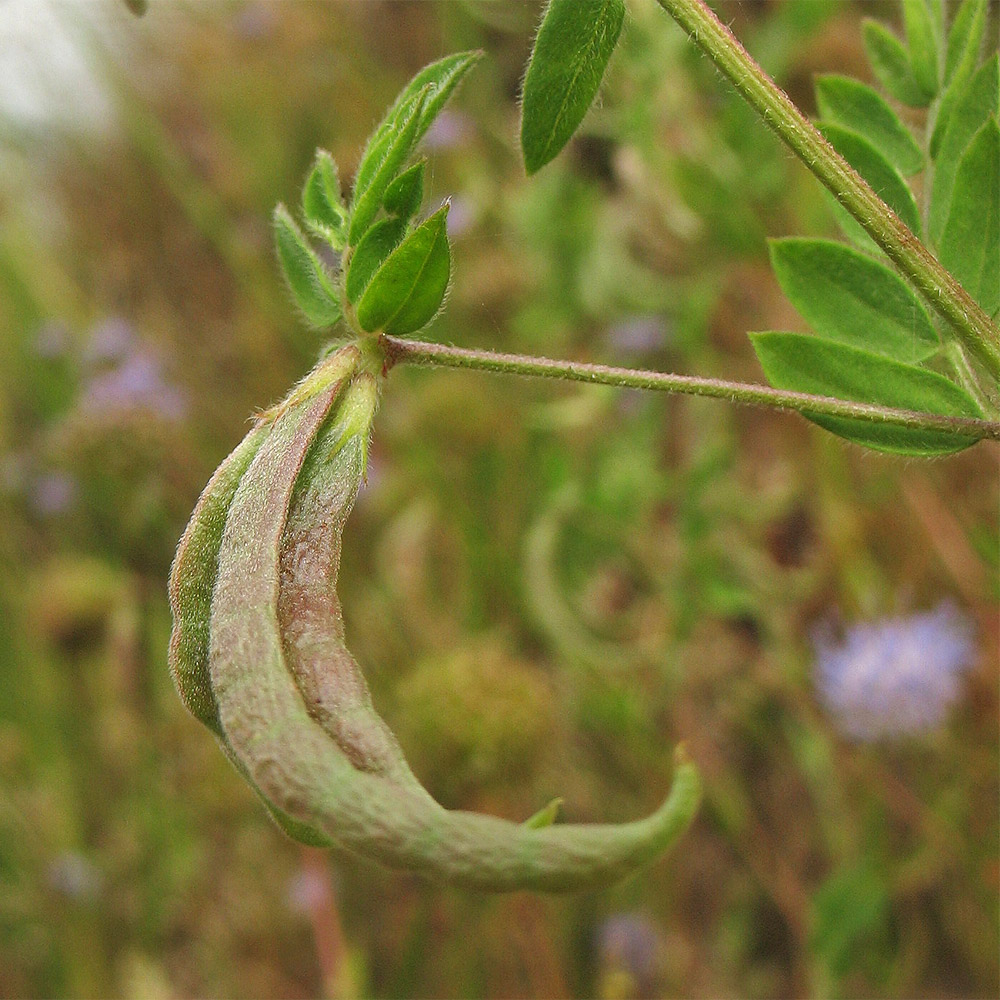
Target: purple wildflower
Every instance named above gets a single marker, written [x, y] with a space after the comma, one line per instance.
[72, 875]
[637, 334]
[53, 493]
[896, 677]
[111, 341]
[136, 383]
[630, 942]
[448, 130]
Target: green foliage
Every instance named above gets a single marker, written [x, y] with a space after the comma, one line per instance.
[310, 285]
[851, 298]
[322, 204]
[408, 289]
[571, 51]
[891, 63]
[404, 195]
[970, 243]
[380, 240]
[828, 368]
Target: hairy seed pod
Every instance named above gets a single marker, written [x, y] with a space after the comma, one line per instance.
[295, 710]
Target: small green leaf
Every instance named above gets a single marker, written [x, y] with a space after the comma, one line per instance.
[964, 43]
[891, 64]
[968, 115]
[307, 278]
[380, 240]
[851, 298]
[856, 106]
[545, 816]
[404, 195]
[322, 205]
[965, 38]
[883, 177]
[922, 43]
[803, 363]
[571, 52]
[441, 77]
[391, 154]
[408, 289]
[970, 244]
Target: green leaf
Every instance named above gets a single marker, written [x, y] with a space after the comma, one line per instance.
[441, 77]
[964, 43]
[851, 298]
[970, 244]
[803, 363]
[883, 177]
[380, 240]
[391, 154]
[891, 64]
[322, 205]
[980, 99]
[922, 43]
[408, 289]
[856, 106]
[307, 278]
[965, 38]
[571, 52]
[404, 195]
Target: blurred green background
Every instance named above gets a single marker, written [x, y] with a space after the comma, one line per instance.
[549, 585]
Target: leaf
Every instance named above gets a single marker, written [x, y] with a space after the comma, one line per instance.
[571, 52]
[968, 114]
[881, 175]
[891, 64]
[307, 278]
[380, 240]
[391, 154]
[442, 77]
[404, 195]
[964, 42]
[922, 43]
[856, 106]
[850, 298]
[803, 363]
[408, 289]
[322, 205]
[970, 244]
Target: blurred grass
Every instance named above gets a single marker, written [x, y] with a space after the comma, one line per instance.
[511, 535]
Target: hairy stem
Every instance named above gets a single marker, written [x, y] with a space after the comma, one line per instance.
[912, 258]
[418, 352]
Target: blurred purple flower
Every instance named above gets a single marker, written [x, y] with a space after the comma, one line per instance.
[630, 942]
[136, 383]
[111, 341]
[72, 875]
[637, 334]
[460, 217]
[895, 677]
[449, 129]
[53, 493]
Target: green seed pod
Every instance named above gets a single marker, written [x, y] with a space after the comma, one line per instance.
[294, 707]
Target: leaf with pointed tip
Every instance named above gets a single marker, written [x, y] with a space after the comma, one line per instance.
[922, 43]
[307, 278]
[398, 144]
[980, 99]
[856, 106]
[408, 289]
[404, 195]
[883, 177]
[891, 64]
[571, 52]
[970, 243]
[380, 240]
[851, 298]
[322, 205]
[442, 77]
[803, 363]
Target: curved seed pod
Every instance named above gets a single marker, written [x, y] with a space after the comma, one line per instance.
[309, 615]
[275, 732]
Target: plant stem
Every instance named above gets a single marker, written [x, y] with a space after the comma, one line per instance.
[417, 352]
[912, 258]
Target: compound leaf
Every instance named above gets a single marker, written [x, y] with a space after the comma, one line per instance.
[848, 297]
[571, 52]
[891, 63]
[803, 363]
